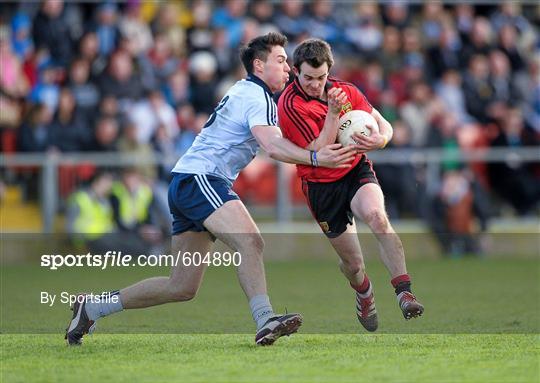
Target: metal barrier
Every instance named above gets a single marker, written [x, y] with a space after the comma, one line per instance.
[431, 158]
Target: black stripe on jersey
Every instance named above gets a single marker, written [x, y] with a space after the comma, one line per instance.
[286, 108]
[303, 125]
[268, 103]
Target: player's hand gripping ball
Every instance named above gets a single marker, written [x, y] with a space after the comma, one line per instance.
[355, 121]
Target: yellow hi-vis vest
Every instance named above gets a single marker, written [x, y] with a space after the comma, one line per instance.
[95, 216]
[133, 207]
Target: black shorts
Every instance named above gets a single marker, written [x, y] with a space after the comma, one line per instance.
[330, 202]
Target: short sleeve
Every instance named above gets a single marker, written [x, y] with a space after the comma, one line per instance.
[260, 110]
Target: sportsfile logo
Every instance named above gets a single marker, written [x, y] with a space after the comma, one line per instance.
[118, 259]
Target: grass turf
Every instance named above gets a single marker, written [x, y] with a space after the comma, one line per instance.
[473, 330]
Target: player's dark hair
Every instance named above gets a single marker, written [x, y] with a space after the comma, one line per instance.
[259, 48]
[315, 52]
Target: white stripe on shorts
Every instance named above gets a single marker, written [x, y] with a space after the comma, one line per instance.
[210, 199]
[211, 189]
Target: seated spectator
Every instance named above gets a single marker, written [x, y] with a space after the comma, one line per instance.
[51, 31]
[105, 135]
[502, 80]
[86, 93]
[200, 34]
[477, 88]
[446, 54]
[148, 114]
[508, 44]
[69, 131]
[176, 90]
[21, 38]
[120, 80]
[231, 17]
[203, 83]
[449, 90]
[89, 51]
[290, 19]
[128, 144]
[516, 182]
[478, 42]
[133, 27]
[106, 29]
[417, 113]
[33, 135]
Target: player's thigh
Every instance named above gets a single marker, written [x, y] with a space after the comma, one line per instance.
[189, 269]
[348, 247]
[368, 203]
[233, 225]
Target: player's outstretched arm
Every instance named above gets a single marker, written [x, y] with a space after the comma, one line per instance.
[281, 149]
[378, 138]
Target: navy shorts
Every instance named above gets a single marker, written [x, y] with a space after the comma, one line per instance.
[193, 197]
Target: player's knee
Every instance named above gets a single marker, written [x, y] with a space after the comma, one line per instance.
[252, 244]
[353, 267]
[377, 221]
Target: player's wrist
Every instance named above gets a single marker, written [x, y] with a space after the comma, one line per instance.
[313, 158]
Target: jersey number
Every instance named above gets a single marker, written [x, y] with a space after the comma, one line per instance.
[214, 114]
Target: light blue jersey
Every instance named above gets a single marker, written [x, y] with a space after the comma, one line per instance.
[226, 145]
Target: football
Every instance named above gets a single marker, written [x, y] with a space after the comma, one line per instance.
[355, 121]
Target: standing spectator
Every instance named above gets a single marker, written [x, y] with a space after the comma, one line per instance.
[51, 31]
[149, 114]
[69, 131]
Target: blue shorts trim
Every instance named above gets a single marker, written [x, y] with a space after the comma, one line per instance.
[194, 197]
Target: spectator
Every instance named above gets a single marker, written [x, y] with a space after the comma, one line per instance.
[46, 91]
[131, 202]
[89, 51]
[86, 93]
[290, 19]
[162, 62]
[106, 29]
[166, 22]
[120, 80]
[21, 40]
[106, 135]
[69, 131]
[501, 79]
[128, 144]
[133, 28]
[322, 24]
[33, 135]
[517, 183]
[364, 32]
[508, 44]
[230, 18]
[149, 114]
[449, 90]
[446, 54]
[416, 113]
[51, 31]
[200, 34]
[477, 88]
[176, 90]
[478, 41]
[203, 83]
[389, 56]
[396, 14]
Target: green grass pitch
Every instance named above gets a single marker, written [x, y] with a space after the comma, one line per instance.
[481, 325]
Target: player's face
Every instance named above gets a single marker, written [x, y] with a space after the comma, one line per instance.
[276, 70]
[313, 80]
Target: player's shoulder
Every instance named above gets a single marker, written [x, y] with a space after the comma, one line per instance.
[291, 98]
[344, 85]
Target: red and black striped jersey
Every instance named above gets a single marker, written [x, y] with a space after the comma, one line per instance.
[301, 119]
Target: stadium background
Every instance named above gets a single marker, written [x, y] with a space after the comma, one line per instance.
[93, 90]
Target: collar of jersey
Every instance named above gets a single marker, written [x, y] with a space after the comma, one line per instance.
[251, 77]
[306, 96]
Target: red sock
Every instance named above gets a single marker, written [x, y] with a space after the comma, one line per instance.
[401, 283]
[363, 287]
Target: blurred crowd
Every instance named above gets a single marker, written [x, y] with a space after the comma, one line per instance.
[142, 77]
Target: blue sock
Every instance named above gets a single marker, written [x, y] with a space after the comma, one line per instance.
[261, 309]
[109, 303]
